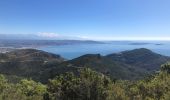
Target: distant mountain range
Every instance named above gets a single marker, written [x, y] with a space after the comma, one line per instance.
[41, 66]
[40, 39]
[38, 36]
[36, 43]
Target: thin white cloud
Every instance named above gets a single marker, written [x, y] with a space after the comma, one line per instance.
[55, 36]
[48, 35]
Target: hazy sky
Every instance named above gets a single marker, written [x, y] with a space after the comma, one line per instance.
[92, 19]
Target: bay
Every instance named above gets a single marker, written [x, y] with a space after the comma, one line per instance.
[71, 51]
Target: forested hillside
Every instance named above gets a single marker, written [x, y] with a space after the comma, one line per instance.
[89, 85]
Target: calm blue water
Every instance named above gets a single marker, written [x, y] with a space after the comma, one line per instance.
[76, 50]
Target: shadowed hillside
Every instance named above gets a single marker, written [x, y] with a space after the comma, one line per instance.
[27, 62]
[134, 64]
[142, 58]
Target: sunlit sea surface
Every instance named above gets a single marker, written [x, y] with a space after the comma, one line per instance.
[75, 50]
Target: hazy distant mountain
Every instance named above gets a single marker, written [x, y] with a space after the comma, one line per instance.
[37, 43]
[38, 36]
[31, 40]
[18, 37]
[41, 66]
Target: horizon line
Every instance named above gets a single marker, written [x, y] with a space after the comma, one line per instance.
[93, 38]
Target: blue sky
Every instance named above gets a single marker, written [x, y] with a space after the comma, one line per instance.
[89, 19]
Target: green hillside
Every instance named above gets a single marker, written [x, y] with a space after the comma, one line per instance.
[134, 64]
[142, 58]
[89, 85]
[27, 62]
[41, 66]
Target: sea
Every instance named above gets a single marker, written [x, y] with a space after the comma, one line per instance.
[71, 51]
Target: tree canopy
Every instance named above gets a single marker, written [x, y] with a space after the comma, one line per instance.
[89, 85]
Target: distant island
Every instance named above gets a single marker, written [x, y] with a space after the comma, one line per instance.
[139, 43]
[159, 44]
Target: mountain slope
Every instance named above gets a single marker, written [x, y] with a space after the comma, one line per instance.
[107, 66]
[33, 55]
[142, 58]
[133, 64]
[41, 66]
[27, 62]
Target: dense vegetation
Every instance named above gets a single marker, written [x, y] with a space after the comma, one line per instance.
[89, 85]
